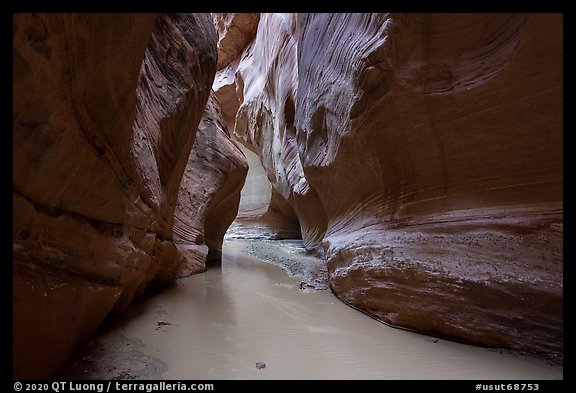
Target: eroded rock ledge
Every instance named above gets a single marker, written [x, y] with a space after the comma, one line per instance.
[423, 155]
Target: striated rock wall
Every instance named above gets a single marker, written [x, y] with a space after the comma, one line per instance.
[424, 154]
[267, 83]
[235, 31]
[263, 213]
[209, 193]
[105, 114]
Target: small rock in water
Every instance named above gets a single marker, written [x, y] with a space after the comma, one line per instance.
[305, 286]
[162, 323]
[260, 365]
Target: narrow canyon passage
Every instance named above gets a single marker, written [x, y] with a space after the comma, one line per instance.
[223, 323]
[279, 195]
[220, 324]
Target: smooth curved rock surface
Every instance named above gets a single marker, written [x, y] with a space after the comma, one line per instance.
[209, 193]
[267, 83]
[226, 91]
[430, 149]
[235, 32]
[263, 213]
[104, 118]
[455, 141]
[267, 215]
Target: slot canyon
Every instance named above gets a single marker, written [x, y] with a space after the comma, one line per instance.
[287, 196]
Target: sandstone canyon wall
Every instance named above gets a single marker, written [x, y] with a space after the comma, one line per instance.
[209, 193]
[235, 31]
[272, 218]
[423, 155]
[266, 80]
[105, 114]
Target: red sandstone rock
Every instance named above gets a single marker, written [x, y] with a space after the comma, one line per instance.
[105, 112]
[235, 30]
[226, 90]
[427, 153]
[267, 85]
[263, 213]
[274, 218]
[209, 193]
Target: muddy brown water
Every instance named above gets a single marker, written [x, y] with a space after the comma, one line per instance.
[250, 320]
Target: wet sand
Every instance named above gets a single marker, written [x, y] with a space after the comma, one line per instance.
[251, 320]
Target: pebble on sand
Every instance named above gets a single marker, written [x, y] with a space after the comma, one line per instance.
[162, 323]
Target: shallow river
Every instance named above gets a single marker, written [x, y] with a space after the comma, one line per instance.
[221, 324]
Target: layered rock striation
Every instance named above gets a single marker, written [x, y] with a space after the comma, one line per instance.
[266, 81]
[105, 114]
[209, 194]
[423, 155]
[235, 31]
